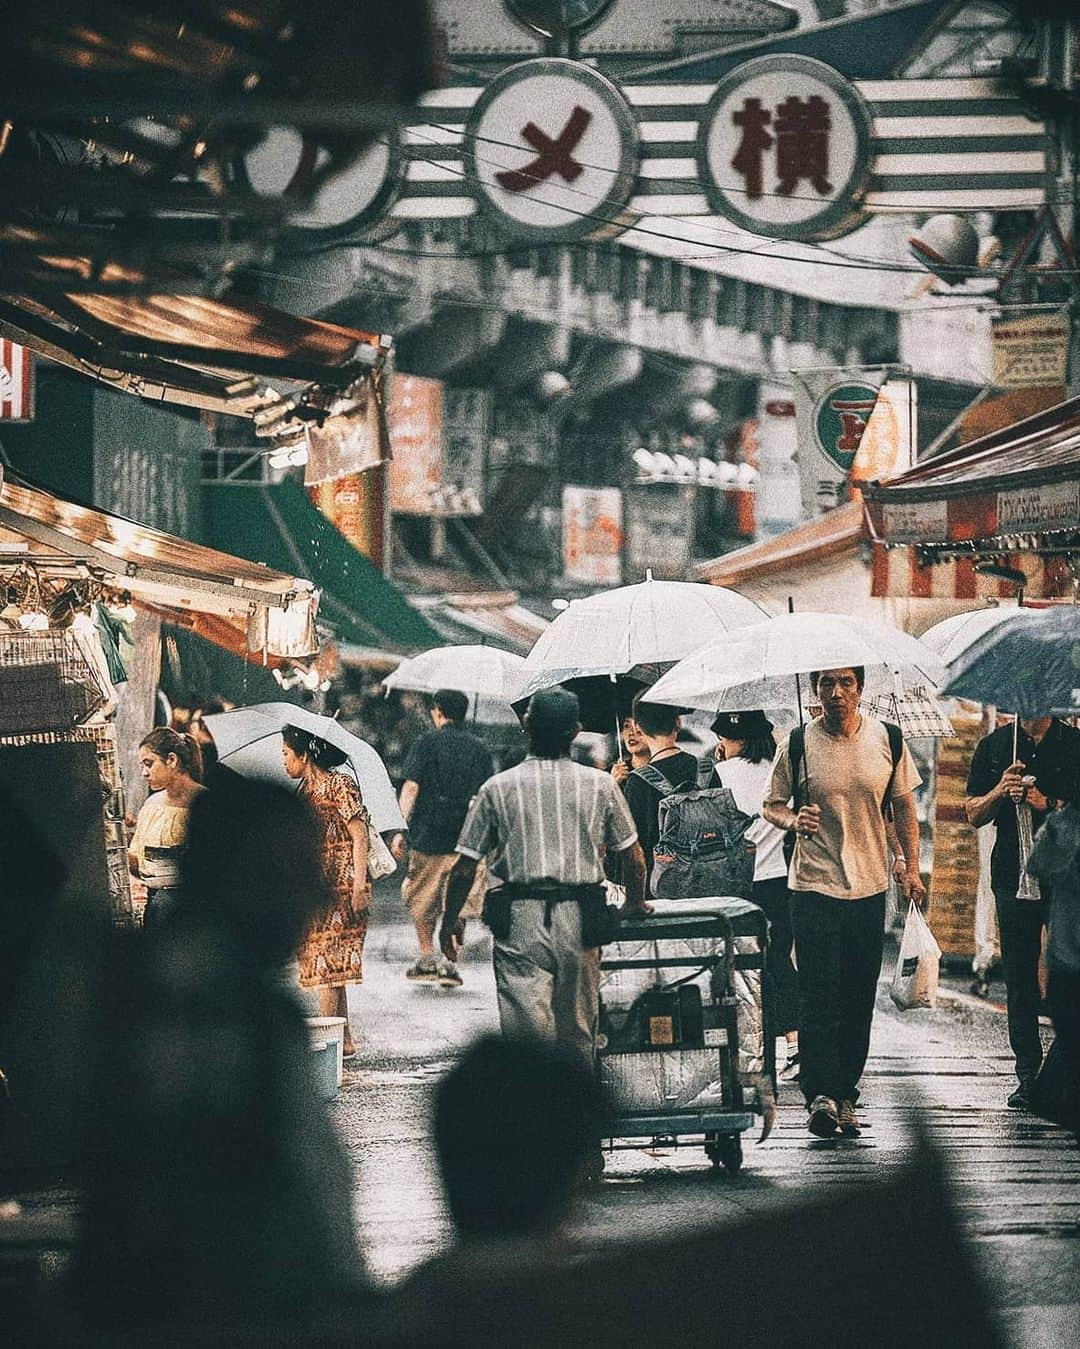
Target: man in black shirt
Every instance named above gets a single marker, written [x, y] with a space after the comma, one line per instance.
[659, 727]
[1048, 751]
[443, 772]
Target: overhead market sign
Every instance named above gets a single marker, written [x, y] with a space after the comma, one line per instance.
[784, 146]
[784, 149]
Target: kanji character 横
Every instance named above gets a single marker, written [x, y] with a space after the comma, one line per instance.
[752, 118]
[802, 144]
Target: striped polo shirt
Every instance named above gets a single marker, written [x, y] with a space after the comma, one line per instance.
[547, 820]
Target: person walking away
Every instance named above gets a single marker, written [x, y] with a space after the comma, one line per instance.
[1055, 861]
[443, 772]
[846, 777]
[1042, 773]
[544, 827]
[332, 952]
[171, 764]
[659, 726]
[744, 751]
[635, 752]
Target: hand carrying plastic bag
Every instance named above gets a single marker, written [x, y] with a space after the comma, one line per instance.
[915, 982]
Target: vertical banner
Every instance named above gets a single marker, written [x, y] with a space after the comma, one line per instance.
[832, 409]
[354, 506]
[660, 520]
[779, 500]
[467, 432]
[16, 383]
[592, 534]
[891, 438]
[415, 417]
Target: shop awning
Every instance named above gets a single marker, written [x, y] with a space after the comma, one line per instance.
[279, 524]
[1011, 499]
[236, 357]
[833, 534]
[261, 610]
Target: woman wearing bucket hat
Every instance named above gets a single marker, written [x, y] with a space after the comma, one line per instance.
[744, 752]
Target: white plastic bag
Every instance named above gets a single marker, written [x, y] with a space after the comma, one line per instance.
[915, 982]
[380, 860]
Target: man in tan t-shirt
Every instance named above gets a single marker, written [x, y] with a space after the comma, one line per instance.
[838, 878]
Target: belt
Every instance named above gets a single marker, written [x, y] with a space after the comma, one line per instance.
[551, 892]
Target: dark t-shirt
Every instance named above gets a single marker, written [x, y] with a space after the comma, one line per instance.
[449, 766]
[644, 801]
[1055, 764]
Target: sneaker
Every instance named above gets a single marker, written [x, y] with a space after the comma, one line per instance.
[448, 975]
[425, 971]
[848, 1120]
[824, 1117]
[791, 1069]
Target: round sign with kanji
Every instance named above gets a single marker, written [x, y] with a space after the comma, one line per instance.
[551, 150]
[784, 149]
[355, 200]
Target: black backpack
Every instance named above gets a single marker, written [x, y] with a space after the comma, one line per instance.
[796, 754]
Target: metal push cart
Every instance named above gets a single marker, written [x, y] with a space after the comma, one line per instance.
[675, 986]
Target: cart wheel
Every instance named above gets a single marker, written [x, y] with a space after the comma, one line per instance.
[725, 1150]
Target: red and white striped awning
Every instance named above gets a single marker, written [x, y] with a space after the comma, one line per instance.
[1012, 496]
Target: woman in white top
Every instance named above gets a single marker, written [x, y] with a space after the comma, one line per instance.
[744, 754]
[172, 766]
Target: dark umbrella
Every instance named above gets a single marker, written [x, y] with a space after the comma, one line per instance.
[1029, 664]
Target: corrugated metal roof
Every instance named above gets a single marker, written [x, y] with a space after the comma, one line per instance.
[1042, 449]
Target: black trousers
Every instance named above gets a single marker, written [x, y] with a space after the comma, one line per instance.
[838, 944]
[1020, 925]
[1063, 996]
[773, 897]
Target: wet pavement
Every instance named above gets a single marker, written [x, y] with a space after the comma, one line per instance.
[1015, 1181]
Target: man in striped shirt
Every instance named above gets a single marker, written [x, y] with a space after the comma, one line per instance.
[544, 827]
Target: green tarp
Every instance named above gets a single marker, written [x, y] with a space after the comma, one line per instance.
[278, 525]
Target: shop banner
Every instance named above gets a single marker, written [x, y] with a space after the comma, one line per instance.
[16, 383]
[1030, 351]
[660, 519]
[415, 417]
[889, 443]
[345, 444]
[592, 535]
[832, 409]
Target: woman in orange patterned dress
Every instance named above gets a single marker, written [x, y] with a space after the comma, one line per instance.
[331, 955]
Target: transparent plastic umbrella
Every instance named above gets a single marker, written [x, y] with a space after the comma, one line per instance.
[248, 741]
[489, 677]
[765, 665]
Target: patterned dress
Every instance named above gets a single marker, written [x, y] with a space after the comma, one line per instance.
[331, 954]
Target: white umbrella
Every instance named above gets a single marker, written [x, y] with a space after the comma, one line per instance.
[757, 667]
[248, 741]
[654, 622]
[952, 636]
[489, 676]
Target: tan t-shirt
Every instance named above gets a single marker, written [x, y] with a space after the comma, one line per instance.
[847, 777]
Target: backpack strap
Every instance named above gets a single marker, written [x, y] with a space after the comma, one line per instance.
[656, 780]
[896, 749]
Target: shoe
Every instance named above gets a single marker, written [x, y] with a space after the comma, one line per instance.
[980, 987]
[1021, 1097]
[824, 1118]
[448, 975]
[848, 1120]
[791, 1069]
[425, 971]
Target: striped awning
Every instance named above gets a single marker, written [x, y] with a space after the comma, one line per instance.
[1011, 497]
